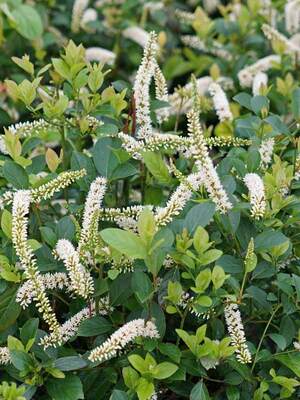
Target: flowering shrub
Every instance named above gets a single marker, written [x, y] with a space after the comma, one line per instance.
[150, 210]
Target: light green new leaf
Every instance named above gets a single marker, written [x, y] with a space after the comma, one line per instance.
[125, 242]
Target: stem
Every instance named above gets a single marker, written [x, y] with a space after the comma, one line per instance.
[242, 288]
[263, 336]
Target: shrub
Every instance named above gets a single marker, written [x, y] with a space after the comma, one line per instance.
[150, 241]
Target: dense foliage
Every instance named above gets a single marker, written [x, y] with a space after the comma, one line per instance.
[150, 200]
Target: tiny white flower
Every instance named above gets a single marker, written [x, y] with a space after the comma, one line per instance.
[236, 331]
[256, 189]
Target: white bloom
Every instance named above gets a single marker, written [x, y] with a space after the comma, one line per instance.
[92, 206]
[273, 35]
[89, 15]
[4, 355]
[266, 152]
[78, 9]
[260, 81]
[185, 16]
[216, 48]
[220, 101]
[20, 209]
[181, 101]
[161, 92]
[81, 281]
[292, 16]
[47, 190]
[236, 331]
[122, 337]
[137, 35]
[141, 88]
[297, 168]
[70, 327]
[100, 55]
[210, 5]
[205, 165]
[178, 199]
[247, 74]
[57, 280]
[256, 189]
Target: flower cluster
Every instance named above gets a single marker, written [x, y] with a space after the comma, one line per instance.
[141, 88]
[247, 74]
[215, 49]
[256, 189]
[79, 7]
[181, 101]
[90, 216]
[20, 209]
[237, 333]
[70, 327]
[179, 198]
[220, 101]
[292, 16]
[4, 355]
[57, 280]
[47, 190]
[161, 92]
[266, 152]
[100, 55]
[287, 46]
[204, 163]
[137, 35]
[297, 168]
[122, 337]
[81, 281]
[24, 129]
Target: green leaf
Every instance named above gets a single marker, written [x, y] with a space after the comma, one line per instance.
[266, 240]
[244, 99]
[279, 340]
[164, 370]
[119, 395]
[6, 223]
[157, 166]
[260, 103]
[138, 363]
[125, 242]
[29, 330]
[146, 226]
[144, 389]
[28, 22]
[15, 175]
[170, 350]
[141, 285]
[296, 103]
[69, 388]
[10, 314]
[203, 280]
[199, 392]
[20, 360]
[210, 256]
[70, 363]
[130, 377]
[218, 277]
[14, 344]
[199, 215]
[48, 235]
[104, 158]
[65, 228]
[292, 361]
[94, 326]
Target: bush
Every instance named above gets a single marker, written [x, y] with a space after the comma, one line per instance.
[150, 203]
